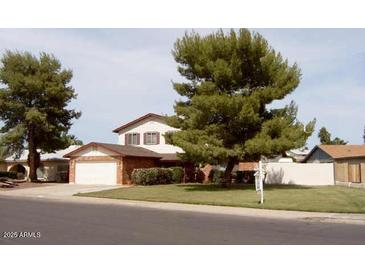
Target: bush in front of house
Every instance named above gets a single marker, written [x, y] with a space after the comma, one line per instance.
[239, 177]
[152, 176]
[217, 176]
[177, 174]
[8, 174]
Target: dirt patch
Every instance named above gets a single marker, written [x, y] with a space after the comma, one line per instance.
[27, 185]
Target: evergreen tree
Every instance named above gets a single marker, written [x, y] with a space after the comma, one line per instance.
[224, 115]
[3, 152]
[325, 138]
[34, 96]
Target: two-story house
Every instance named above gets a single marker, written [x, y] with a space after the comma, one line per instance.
[147, 132]
[141, 144]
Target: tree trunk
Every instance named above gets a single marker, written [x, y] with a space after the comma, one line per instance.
[33, 156]
[228, 172]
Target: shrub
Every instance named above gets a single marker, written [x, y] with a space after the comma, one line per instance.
[239, 176]
[8, 174]
[152, 176]
[218, 176]
[199, 176]
[177, 174]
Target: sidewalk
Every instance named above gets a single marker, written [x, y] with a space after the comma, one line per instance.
[64, 193]
[54, 191]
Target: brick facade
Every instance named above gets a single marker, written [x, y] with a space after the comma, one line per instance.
[130, 163]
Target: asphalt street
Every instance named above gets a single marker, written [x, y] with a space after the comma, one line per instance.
[37, 221]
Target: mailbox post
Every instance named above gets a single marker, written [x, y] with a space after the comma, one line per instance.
[259, 181]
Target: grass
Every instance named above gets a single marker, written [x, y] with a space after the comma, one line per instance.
[283, 197]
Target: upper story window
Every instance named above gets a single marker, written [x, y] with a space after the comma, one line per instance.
[151, 138]
[132, 138]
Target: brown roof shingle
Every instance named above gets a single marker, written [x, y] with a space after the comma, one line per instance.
[248, 166]
[344, 151]
[122, 150]
[169, 157]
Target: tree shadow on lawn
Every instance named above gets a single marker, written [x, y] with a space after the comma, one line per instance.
[248, 187]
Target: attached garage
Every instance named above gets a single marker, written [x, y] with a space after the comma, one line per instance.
[108, 164]
[96, 173]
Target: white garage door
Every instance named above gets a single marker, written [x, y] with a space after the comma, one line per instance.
[96, 173]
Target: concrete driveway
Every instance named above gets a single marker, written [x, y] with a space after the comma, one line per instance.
[55, 191]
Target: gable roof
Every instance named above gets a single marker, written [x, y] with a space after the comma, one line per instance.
[119, 149]
[148, 115]
[55, 156]
[340, 151]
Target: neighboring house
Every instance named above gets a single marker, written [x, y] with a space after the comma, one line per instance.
[53, 167]
[294, 155]
[349, 161]
[248, 166]
[298, 154]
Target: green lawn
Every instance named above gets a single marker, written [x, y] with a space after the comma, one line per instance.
[285, 197]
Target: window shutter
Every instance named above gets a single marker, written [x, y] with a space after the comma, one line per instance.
[125, 139]
[158, 138]
[144, 138]
[138, 137]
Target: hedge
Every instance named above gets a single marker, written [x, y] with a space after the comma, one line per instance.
[239, 176]
[8, 174]
[177, 174]
[152, 176]
[218, 176]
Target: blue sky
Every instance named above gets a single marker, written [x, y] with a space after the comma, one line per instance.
[120, 74]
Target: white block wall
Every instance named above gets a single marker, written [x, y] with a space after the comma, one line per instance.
[300, 174]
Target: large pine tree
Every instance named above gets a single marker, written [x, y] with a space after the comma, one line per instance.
[34, 95]
[224, 116]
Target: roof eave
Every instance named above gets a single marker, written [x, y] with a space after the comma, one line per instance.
[69, 155]
[348, 157]
[137, 121]
[309, 154]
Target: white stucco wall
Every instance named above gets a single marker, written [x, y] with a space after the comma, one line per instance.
[148, 125]
[99, 151]
[300, 174]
